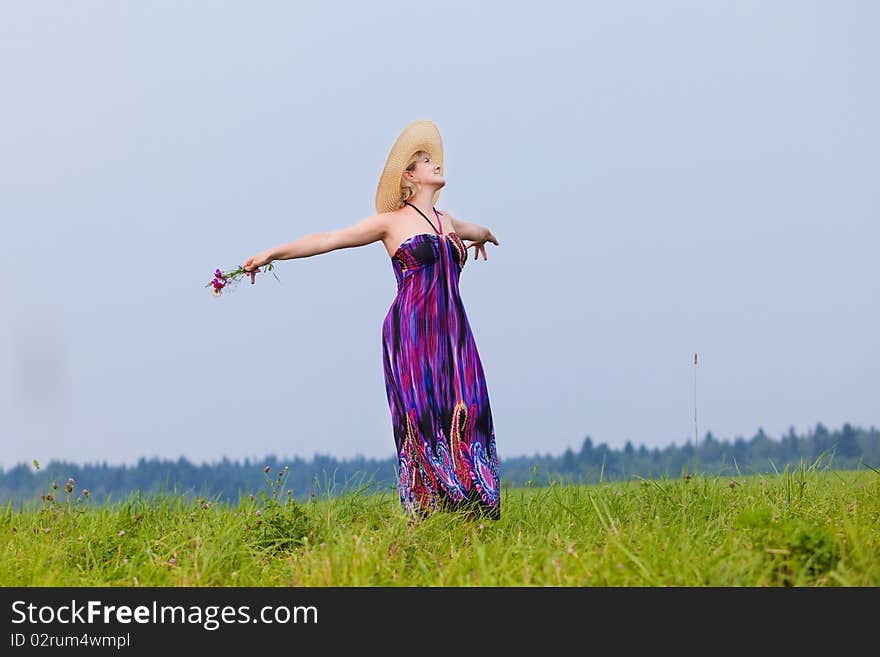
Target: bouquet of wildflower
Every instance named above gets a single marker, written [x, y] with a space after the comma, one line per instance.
[222, 279]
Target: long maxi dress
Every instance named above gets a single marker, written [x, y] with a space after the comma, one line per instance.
[435, 383]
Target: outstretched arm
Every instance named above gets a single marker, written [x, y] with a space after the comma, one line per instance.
[468, 231]
[367, 231]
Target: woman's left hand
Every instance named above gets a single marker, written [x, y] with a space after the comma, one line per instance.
[480, 245]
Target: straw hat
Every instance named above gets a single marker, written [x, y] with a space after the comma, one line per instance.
[420, 135]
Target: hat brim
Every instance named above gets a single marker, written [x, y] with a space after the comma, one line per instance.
[420, 135]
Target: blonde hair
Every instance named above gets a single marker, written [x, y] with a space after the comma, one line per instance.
[408, 188]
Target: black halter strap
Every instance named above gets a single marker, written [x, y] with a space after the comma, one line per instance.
[423, 214]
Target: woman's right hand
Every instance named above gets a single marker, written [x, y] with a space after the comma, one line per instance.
[252, 265]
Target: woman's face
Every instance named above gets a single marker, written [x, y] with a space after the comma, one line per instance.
[426, 171]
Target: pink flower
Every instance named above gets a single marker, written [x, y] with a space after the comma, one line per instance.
[222, 279]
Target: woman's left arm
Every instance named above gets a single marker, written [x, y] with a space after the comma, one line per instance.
[475, 232]
[467, 230]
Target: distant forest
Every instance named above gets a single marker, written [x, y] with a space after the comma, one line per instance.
[321, 476]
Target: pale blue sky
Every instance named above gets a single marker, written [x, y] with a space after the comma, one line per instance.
[664, 178]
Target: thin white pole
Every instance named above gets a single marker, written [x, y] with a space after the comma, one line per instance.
[695, 403]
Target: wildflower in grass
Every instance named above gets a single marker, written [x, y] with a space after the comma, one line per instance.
[258, 512]
[85, 492]
[47, 530]
[122, 532]
[172, 561]
[266, 469]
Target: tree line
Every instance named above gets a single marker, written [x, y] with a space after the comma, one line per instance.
[323, 475]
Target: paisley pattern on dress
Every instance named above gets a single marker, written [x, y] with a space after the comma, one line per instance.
[435, 384]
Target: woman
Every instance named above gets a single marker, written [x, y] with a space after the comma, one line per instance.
[434, 380]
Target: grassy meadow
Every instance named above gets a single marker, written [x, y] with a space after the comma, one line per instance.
[801, 527]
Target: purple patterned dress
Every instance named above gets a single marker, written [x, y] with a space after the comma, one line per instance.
[435, 384]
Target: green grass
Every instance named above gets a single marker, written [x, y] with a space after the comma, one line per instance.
[797, 528]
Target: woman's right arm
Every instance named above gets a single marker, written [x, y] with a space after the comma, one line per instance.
[367, 231]
[304, 247]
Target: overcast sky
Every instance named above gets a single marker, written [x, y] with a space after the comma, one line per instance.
[664, 179]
